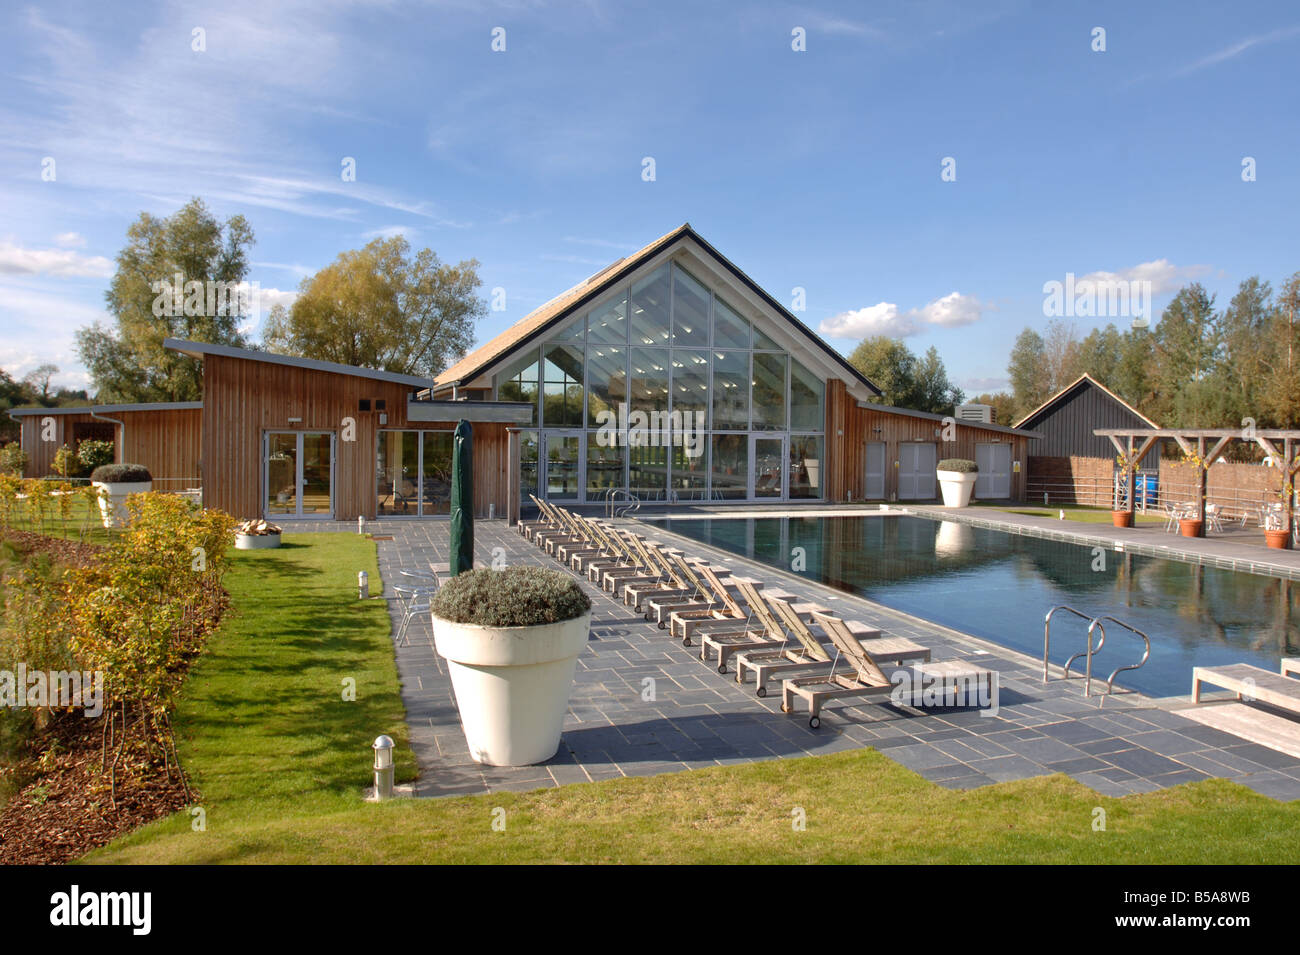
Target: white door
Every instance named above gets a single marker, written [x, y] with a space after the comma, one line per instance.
[994, 480]
[916, 465]
[875, 489]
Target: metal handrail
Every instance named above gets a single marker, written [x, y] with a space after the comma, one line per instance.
[1146, 653]
[1095, 625]
[1047, 635]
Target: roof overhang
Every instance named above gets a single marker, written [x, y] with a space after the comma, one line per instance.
[931, 416]
[109, 409]
[200, 350]
[503, 412]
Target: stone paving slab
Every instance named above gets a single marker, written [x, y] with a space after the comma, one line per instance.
[690, 716]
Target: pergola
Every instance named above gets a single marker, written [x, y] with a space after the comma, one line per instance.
[1133, 444]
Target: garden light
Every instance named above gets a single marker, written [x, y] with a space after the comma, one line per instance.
[383, 747]
[361, 523]
[363, 585]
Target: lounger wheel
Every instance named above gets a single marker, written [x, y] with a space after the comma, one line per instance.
[662, 624]
[762, 691]
[686, 641]
[784, 708]
[722, 668]
[815, 722]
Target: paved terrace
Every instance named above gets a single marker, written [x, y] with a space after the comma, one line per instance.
[697, 717]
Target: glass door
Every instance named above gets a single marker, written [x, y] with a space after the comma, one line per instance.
[298, 474]
[767, 455]
[563, 454]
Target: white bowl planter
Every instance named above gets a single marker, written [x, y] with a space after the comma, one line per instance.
[256, 541]
[512, 685]
[112, 500]
[956, 486]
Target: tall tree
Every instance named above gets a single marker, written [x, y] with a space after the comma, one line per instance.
[1189, 345]
[1132, 376]
[906, 381]
[177, 277]
[1003, 405]
[1061, 354]
[1028, 371]
[380, 307]
[935, 393]
[1098, 354]
[1281, 395]
[1242, 370]
[38, 379]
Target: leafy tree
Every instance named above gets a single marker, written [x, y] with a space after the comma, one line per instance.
[1098, 355]
[38, 380]
[176, 277]
[1028, 371]
[1188, 351]
[1132, 376]
[906, 381]
[1242, 370]
[380, 307]
[1281, 357]
[1003, 405]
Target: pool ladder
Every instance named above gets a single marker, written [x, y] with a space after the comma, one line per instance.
[1096, 625]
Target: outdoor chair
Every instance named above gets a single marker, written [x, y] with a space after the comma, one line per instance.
[870, 683]
[809, 656]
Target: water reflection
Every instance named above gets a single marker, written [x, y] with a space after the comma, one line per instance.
[1000, 586]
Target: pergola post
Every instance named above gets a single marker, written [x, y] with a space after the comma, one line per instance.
[1203, 484]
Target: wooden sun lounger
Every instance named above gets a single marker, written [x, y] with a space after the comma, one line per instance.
[868, 682]
[1250, 682]
[1291, 666]
[810, 657]
[660, 607]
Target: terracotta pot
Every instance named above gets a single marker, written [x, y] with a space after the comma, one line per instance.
[1278, 540]
[1121, 518]
[1190, 528]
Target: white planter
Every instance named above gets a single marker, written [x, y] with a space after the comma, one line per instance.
[112, 499]
[953, 539]
[256, 541]
[956, 487]
[512, 685]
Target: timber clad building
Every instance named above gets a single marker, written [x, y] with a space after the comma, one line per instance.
[669, 375]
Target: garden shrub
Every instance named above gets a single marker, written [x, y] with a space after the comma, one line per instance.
[13, 459]
[94, 454]
[960, 465]
[514, 597]
[120, 473]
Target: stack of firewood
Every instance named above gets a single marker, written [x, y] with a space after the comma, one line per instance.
[257, 528]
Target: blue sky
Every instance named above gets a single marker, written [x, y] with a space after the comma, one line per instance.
[818, 169]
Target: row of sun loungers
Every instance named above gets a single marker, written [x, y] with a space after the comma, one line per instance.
[765, 633]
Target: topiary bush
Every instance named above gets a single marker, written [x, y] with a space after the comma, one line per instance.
[120, 474]
[960, 465]
[514, 597]
[94, 454]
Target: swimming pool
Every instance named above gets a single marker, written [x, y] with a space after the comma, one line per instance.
[999, 586]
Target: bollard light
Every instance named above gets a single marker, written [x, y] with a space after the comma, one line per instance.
[383, 747]
[492, 510]
[1044, 499]
[1061, 515]
[361, 523]
[363, 585]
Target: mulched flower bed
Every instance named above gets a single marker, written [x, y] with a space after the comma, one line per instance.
[66, 807]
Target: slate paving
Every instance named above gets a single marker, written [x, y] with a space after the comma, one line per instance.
[643, 704]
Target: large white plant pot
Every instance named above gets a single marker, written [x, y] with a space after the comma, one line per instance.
[956, 486]
[512, 685]
[112, 500]
[256, 541]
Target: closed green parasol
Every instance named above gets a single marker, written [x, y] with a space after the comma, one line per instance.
[462, 498]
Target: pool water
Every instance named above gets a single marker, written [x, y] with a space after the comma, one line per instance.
[999, 586]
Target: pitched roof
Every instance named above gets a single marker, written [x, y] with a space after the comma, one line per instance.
[111, 409]
[557, 309]
[1031, 419]
[199, 349]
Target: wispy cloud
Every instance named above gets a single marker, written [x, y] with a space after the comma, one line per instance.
[1234, 50]
[1163, 275]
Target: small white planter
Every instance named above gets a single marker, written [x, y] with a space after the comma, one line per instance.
[512, 685]
[256, 541]
[112, 500]
[956, 486]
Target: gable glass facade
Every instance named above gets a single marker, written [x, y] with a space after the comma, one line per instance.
[667, 391]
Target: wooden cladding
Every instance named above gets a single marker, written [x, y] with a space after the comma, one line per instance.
[849, 428]
[243, 399]
[165, 441]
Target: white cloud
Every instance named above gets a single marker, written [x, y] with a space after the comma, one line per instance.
[388, 231]
[885, 318]
[70, 240]
[1163, 275]
[15, 260]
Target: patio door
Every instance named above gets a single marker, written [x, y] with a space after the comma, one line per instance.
[917, 461]
[767, 459]
[993, 482]
[875, 489]
[298, 474]
[563, 456]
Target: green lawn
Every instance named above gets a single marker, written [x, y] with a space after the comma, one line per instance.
[1076, 512]
[281, 762]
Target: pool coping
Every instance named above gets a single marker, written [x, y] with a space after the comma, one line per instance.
[1262, 568]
